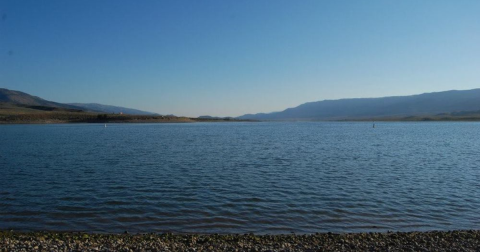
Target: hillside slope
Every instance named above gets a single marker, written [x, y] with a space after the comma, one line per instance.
[22, 99]
[17, 101]
[111, 109]
[361, 108]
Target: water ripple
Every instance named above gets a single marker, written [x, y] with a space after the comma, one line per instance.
[240, 177]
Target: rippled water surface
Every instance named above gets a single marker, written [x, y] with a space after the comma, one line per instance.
[240, 177]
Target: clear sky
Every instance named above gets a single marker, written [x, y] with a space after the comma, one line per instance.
[228, 58]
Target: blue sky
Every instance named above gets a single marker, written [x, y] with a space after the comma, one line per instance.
[228, 58]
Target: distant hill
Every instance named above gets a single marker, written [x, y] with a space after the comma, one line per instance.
[12, 99]
[111, 109]
[371, 108]
[22, 99]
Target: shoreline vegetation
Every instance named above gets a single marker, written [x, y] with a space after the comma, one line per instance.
[85, 117]
[16, 114]
[55, 117]
[464, 240]
[11, 113]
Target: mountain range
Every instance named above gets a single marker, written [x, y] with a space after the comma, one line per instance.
[428, 104]
[22, 99]
[437, 106]
[12, 98]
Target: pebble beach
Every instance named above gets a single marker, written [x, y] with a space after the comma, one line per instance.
[468, 240]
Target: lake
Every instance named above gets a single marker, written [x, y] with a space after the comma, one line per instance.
[301, 177]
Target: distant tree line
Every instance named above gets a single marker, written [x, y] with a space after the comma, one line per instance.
[102, 116]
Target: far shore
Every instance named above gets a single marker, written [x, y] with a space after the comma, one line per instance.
[61, 118]
[465, 240]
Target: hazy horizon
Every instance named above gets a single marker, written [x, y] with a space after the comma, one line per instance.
[229, 58]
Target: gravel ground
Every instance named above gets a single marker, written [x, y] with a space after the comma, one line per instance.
[411, 241]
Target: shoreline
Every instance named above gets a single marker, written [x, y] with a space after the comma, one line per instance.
[195, 120]
[84, 117]
[64, 117]
[127, 121]
[460, 240]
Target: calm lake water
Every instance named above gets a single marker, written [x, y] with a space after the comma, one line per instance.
[240, 177]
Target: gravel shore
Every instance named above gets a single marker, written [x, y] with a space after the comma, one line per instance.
[410, 241]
